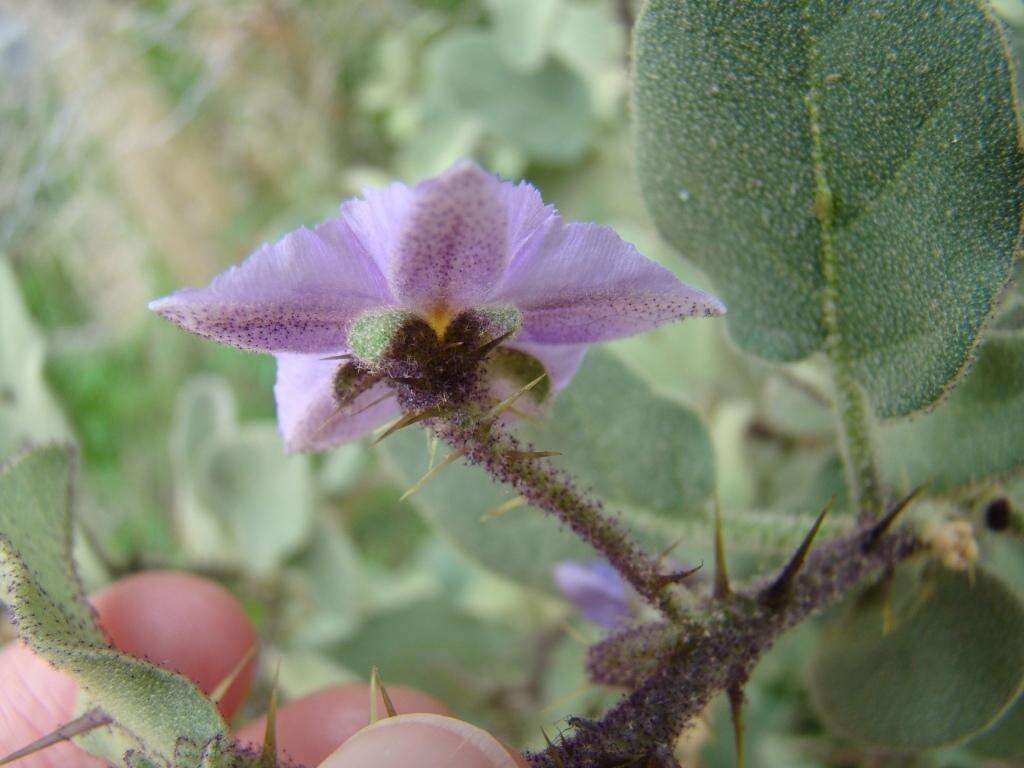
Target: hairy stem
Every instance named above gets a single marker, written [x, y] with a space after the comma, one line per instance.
[501, 455]
[856, 443]
[676, 670]
[851, 404]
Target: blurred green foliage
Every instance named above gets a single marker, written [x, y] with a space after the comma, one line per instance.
[149, 145]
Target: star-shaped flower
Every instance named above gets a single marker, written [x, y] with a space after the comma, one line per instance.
[460, 258]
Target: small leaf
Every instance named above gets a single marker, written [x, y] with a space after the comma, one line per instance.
[38, 583]
[948, 668]
[28, 410]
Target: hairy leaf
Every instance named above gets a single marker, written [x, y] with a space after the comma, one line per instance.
[864, 153]
[973, 435]
[948, 667]
[155, 707]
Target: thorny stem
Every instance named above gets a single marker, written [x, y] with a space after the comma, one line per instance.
[675, 671]
[500, 454]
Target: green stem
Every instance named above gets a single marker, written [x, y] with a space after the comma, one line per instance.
[856, 441]
[851, 403]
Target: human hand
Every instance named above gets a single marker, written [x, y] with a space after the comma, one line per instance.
[198, 629]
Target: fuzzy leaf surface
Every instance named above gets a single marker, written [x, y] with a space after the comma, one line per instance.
[155, 707]
[950, 665]
[878, 137]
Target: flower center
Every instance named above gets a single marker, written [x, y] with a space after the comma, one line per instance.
[439, 318]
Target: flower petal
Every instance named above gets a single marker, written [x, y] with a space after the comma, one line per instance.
[584, 284]
[596, 589]
[307, 413]
[528, 218]
[453, 247]
[561, 361]
[296, 295]
[376, 220]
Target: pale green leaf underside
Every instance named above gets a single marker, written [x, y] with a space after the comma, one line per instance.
[28, 411]
[39, 586]
[919, 148]
[468, 76]
[643, 454]
[948, 668]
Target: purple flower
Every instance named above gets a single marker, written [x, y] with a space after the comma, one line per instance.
[596, 589]
[462, 241]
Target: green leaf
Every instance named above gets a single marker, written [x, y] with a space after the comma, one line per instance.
[523, 30]
[1005, 739]
[949, 667]
[643, 454]
[975, 434]
[263, 498]
[455, 657]
[239, 499]
[592, 41]
[155, 707]
[28, 412]
[468, 76]
[862, 152]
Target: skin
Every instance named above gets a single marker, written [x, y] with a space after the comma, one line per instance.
[198, 629]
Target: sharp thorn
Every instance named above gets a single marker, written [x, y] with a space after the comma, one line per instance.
[722, 589]
[268, 755]
[736, 708]
[377, 689]
[224, 685]
[532, 454]
[431, 473]
[778, 592]
[879, 529]
[346, 356]
[552, 750]
[485, 349]
[90, 721]
[668, 550]
[432, 442]
[406, 420]
[501, 509]
[509, 401]
[677, 576]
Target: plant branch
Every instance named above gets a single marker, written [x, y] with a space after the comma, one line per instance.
[676, 670]
[485, 443]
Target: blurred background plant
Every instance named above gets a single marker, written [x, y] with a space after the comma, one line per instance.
[150, 144]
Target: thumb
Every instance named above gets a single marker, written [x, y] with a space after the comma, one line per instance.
[423, 740]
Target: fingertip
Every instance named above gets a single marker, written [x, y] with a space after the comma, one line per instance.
[181, 622]
[36, 699]
[312, 727]
[426, 741]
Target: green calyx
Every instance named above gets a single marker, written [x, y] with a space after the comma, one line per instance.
[371, 335]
